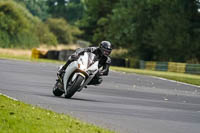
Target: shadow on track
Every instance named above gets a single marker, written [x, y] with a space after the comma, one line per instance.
[81, 99]
[73, 98]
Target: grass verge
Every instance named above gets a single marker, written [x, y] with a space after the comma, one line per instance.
[28, 58]
[182, 77]
[17, 117]
[10, 56]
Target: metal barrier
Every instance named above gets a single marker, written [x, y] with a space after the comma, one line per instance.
[128, 62]
[171, 67]
[64, 54]
[52, 54]
[161, 66]
[36, 54]
[150, 65]
[176, 67]
[193, 68]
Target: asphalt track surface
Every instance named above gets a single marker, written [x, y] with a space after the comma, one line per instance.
[126, 103]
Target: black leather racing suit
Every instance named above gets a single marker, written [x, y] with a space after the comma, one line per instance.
[104, 62]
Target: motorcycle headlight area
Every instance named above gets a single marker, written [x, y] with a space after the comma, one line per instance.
[85, 70]
[81, 67]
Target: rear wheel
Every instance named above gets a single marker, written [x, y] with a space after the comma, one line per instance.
[57, 89]
[73, 86]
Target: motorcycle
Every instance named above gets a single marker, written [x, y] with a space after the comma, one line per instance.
[77, 75]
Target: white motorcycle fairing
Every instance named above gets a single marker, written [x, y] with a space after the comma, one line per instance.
[85, 66]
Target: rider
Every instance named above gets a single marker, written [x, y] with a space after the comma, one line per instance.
[102, 53]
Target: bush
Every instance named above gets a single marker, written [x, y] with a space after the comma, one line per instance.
[44, 34]
[24, 40]
[62, 30]
[16, 29]
[19, 28]
[4, 39]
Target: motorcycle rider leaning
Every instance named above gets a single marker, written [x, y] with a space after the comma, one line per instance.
[102, 54]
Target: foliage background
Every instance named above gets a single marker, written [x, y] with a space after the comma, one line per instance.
[154, 30]
[161, 30]
[28, 23]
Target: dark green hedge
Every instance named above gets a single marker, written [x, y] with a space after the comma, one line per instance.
[18, 28]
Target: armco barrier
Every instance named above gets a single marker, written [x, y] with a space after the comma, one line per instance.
[193, 68]
[150, 65]
[118, 62]
[176, 67]
[64, 54]
[142, 64]
[171, 67]
[52, 54]
[161, 66]
[36, 54]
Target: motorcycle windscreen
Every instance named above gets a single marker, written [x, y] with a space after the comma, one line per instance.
[86, 60]
[91, 59]
[92, 63]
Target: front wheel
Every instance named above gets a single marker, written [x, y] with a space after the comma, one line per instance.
[74, 86]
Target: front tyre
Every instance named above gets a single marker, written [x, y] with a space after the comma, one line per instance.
[56, 91]
[74, 86]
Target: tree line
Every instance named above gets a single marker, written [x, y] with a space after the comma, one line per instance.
[29, 23]
[160, 30]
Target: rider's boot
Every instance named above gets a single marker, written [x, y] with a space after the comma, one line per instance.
[97, 80]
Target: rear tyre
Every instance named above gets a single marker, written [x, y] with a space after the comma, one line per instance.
[75, 85]
[56, 90]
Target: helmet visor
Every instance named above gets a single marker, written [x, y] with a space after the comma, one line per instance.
[106, 52]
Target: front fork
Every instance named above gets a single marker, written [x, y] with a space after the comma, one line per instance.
[60, 77]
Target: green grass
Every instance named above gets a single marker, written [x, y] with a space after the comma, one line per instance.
[182, 77]
[26, 58]
[7, 56]
[17, 117]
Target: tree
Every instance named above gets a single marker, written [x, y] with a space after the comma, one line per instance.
[170, 32]
[130, 24]
[38, 8]
[192, 10]
[149, 29]
[18, 28]
[95, 19]
[64, 32]
[70, 10]
[156, 30]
